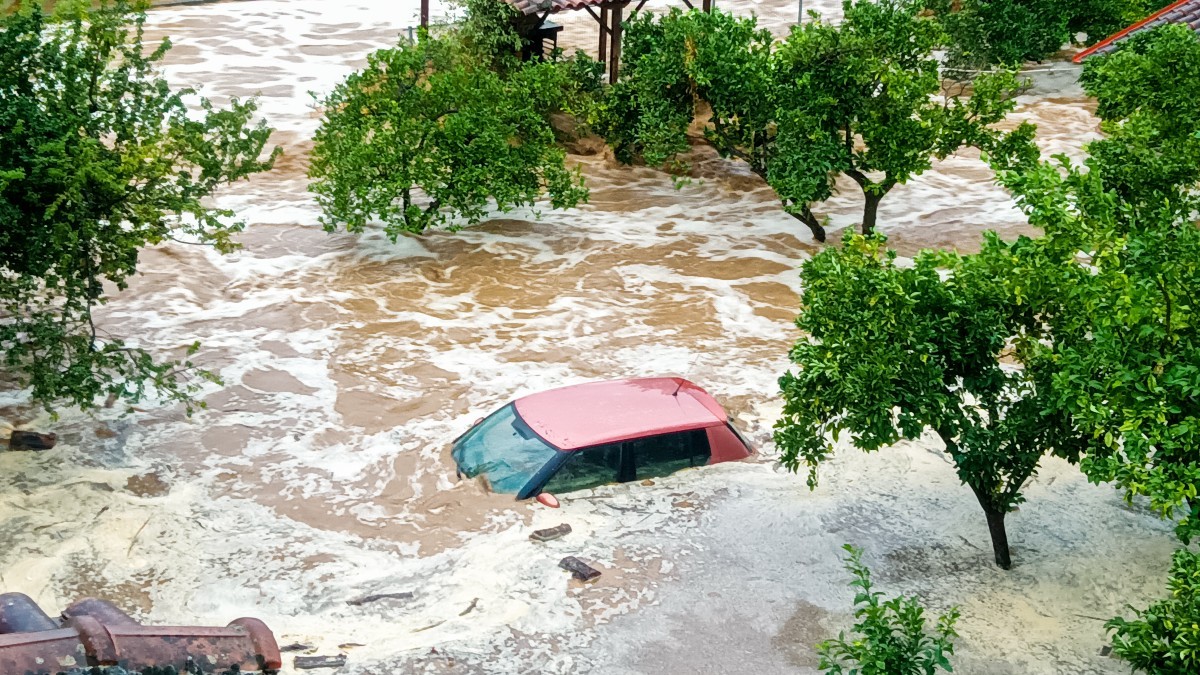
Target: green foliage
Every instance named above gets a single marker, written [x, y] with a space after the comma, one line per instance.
[492, 31]
[890, 351]
[1099, 19]
[1146, 93]
[1164, 639]
[583, 88]
[892, 638]
[1116, 277]
[983, 33]
[101, 158]
[863, 98]
[1083, 343]
[426, 133]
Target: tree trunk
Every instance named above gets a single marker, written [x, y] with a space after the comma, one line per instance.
[870, 209]
[806, 216]
[995, 521]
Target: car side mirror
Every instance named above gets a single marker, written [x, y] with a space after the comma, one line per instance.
[547, 499]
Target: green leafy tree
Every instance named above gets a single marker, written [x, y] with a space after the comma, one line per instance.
[1146, 93]
[1082, 343]
[1117, 275]
[891, 351]
[1164, 638]
[863, 98]
[890, 636]
[100, 159]
[428, 132]
[984, 33]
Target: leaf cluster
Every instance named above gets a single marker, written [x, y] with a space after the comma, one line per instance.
[428, 132]
[981, 34]
[493, 31]
[1164, 638]
[101, 159]
[890, 636]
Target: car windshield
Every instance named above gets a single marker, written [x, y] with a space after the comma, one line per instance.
[504, 450]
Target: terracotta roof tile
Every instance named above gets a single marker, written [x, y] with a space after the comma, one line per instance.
[1184, 11]
[535, 6]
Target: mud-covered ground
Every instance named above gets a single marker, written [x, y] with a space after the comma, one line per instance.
[320, 473]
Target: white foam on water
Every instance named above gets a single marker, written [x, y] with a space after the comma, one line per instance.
[320, 471]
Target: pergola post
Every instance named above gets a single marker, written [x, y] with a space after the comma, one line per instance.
[614, 65]
[604, 34]
[425, 13]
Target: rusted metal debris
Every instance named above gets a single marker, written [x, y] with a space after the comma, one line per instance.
[551, 533]
[313, 662]
[96, 633]
[31, 440]
[581, 570]
[403, 595]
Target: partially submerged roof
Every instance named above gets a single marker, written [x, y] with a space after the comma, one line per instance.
[552, 6]
[1183, 11]
[595, 413]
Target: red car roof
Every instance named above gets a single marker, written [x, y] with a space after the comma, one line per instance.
[595, 413]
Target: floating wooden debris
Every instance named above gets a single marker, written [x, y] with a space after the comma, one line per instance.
[313, 662]
[469, 607]
[295, 647]
[581, 570]
[350, 645]
[403, 595]
[551, 533]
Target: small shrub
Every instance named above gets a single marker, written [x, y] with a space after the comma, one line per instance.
[1164, 639]
[890, 637]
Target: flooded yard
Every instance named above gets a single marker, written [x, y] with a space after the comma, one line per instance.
[320, 471]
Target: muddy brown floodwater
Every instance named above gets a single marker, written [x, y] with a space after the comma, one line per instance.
[319, 472]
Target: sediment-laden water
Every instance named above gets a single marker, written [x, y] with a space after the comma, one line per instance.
[319, 472]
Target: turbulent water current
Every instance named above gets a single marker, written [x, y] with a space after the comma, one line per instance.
[320, 470]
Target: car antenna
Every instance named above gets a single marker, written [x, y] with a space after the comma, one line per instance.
[685, 374]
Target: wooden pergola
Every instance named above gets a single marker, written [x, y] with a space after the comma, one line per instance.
[609, 14]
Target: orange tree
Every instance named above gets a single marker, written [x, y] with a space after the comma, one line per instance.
[1083, 343]
[430, 132]
[862, 98]
[101, 158]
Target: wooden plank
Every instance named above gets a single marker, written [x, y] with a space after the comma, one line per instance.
[403, 595]
[311, 662]
[551, 533]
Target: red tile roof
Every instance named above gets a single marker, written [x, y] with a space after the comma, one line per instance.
[1184, 11]
[537, 6]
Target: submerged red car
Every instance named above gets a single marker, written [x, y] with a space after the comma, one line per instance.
[586, 435]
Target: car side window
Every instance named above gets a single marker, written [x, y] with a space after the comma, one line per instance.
[668, 453]
[587, 469]
[631, 460]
